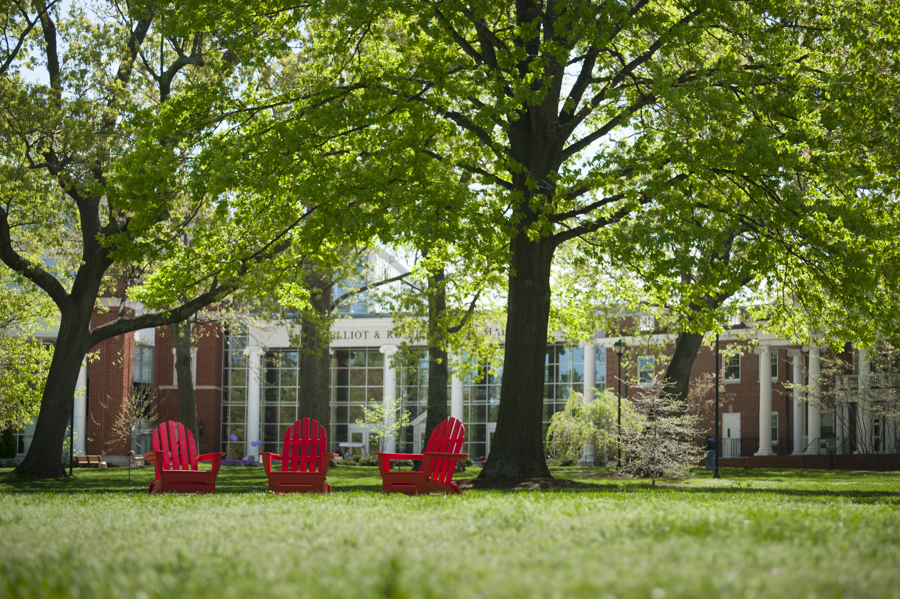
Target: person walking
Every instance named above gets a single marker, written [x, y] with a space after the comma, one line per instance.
[710, 452]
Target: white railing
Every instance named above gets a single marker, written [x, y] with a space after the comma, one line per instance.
[813, 446]
[731, 448]
[877, 380]
[847, 381]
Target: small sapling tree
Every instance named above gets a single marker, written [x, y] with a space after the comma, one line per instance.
[664, 442]
[384, 420]
[134, 418]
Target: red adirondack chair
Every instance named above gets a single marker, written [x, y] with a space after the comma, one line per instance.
[304, 461]
[438, 463]
[175, 458]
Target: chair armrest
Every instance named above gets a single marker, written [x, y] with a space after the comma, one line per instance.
[447, 456]
[267, 457]
[384, 459]
[158, 459]
[216, 459]
[401, 456]
[326, 461]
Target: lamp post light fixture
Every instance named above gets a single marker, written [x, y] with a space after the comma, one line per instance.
[716, 427]
[619, 348]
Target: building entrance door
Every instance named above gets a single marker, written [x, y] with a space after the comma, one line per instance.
[360, 434]
[731, 435]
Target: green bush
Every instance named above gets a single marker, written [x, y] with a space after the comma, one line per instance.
[7, 444]
[562, 461]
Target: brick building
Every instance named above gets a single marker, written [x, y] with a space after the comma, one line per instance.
[246, 387]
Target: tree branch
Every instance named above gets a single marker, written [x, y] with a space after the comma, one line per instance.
[366, 287]
[28, 269]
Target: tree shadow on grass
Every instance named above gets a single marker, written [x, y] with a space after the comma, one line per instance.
[231, 479]
[349, 479]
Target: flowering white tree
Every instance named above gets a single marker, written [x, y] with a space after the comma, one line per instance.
[664, 442]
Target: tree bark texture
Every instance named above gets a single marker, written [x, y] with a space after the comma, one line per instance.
[438, 368]
[43, 457]
[678, 373]
[517, 450]
[315, 358]
[187, 398]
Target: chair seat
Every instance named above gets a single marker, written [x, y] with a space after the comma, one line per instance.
[298, 482]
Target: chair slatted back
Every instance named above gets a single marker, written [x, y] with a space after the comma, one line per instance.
[304, 445]
[177, 444]
[447, 437]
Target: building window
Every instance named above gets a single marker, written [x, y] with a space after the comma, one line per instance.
[278, 397]
[774, 428]
[357, 383]
[24, 436]
[600, 372]
[646, 323]
[412, 396]
[142, 391]
[878, 435]
[774, 361]
[732, 364]
[645, 370]
[827, 425]
[235, 377]
[143, 368]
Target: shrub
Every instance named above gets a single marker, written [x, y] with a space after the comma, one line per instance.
[7, 444]
[368, 460]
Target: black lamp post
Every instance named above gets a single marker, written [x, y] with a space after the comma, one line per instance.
[716, 427]
[619, 348]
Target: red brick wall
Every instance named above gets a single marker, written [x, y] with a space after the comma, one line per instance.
[742, 397]
[111, 376]
[207, 340]
[110, 379]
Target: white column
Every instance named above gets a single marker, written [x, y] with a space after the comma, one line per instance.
[590, 380]
[799, 413]
[765, 401]
[845, 428]
[79, 420]
[864, 418]
[390, 391]
[456, 397]
[814, 419]
[253, 354]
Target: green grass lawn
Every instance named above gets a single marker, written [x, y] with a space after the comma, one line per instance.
[754, 533]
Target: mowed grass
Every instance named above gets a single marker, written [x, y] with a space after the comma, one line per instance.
[756, 533]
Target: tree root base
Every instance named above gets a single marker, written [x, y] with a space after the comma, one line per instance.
[520, 484]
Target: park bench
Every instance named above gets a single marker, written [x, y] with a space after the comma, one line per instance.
[88, 461]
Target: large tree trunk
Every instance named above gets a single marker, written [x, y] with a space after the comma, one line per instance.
[687, 346]
[517, 450]
[678, 373]
[438, 369]
[315, 358]
[187, 399]
[43, 459]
